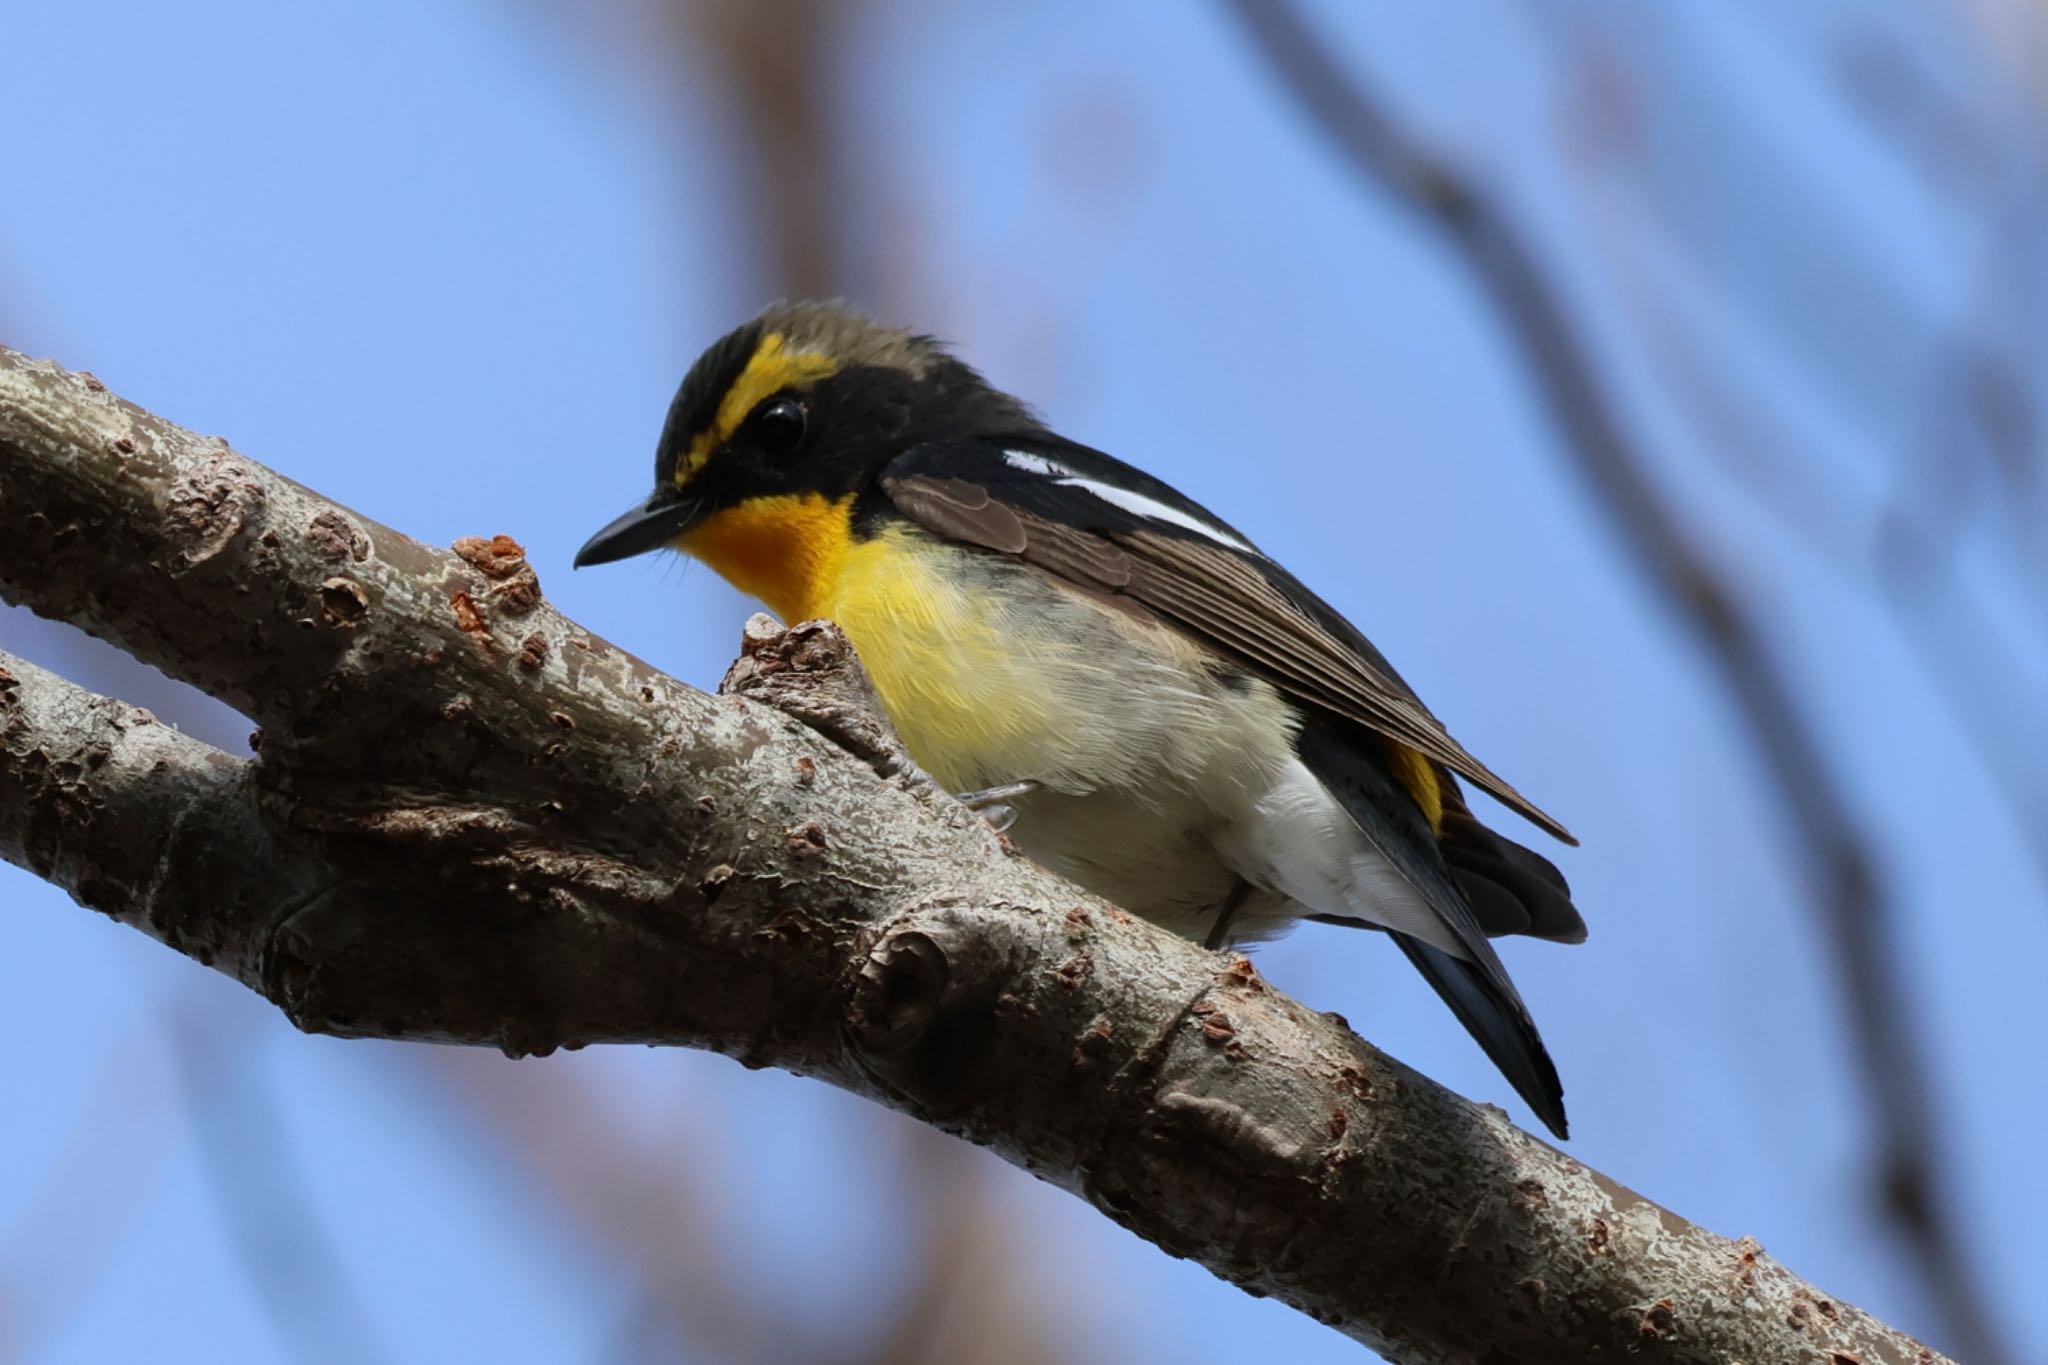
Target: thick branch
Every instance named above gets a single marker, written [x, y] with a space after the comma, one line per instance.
[469, 820]
[136, 819]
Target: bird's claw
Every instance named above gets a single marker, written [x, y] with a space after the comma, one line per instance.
[993, 803]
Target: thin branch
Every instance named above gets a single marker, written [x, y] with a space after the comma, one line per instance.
[109, 1162]
[777, 59]
[1912, 570]
[638, 1200]
[471, 821]
[1853, 906]
[254, 1173]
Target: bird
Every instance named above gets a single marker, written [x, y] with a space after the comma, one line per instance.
[1148, 703]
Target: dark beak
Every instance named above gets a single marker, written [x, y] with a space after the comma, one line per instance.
[650, 526]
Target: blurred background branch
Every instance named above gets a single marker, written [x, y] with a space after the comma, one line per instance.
[1824, 832]
[1909, 526]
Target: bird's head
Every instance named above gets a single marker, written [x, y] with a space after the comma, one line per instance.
[806, 403]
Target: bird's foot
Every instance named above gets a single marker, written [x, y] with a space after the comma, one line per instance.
[992, 803]
[1219, 932]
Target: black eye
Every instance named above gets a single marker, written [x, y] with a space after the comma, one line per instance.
[777, 426]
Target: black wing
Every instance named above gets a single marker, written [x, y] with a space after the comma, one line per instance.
[1114, 530]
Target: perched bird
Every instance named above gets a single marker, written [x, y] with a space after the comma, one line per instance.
[1171, 719]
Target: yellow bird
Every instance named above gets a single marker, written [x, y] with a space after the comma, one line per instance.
[1164, 714]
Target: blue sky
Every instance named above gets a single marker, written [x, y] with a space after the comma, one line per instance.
[446, 263]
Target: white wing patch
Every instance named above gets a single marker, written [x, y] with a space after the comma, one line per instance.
[1298, 840]
[1130, 500]
[1035, 464]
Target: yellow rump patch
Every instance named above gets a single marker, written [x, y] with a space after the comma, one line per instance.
[786, 550]
[771, 370]
[1418, 775]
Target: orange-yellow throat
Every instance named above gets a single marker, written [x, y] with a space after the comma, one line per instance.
[787, 550]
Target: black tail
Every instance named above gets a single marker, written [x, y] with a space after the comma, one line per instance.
[1474, 984]
[1500, 1023]
[1513, 890]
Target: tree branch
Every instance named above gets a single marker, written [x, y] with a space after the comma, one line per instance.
[471, 821]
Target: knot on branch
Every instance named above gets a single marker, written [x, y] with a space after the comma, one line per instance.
[925, 1013]
[902, 985]
[343, 602]
[210, 504]
[811, 671]
[335, 535]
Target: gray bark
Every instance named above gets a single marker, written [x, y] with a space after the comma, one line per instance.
[469, 820]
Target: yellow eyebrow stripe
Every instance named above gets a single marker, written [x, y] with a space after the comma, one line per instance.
[772, 369]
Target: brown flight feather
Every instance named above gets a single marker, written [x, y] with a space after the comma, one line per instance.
[1216, 595]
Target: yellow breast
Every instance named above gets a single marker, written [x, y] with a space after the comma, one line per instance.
[961, 689]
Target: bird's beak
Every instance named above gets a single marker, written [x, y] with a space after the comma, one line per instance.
[653, 524]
